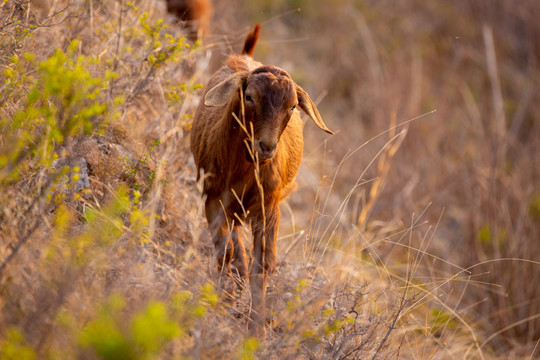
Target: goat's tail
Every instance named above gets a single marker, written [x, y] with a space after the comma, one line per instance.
[251, 41]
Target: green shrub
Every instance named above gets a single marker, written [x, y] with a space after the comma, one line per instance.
[55, 99]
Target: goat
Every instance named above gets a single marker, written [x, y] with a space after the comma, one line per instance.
[247, 138]
[195, 13]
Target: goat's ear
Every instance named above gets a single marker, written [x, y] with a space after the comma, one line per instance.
[306, 104]
[220, 94]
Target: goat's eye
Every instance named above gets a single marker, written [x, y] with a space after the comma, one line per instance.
[249, 99]
[292, 108]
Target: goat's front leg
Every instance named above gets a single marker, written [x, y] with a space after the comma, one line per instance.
[220, 228]
[239, 256]
[264, 263]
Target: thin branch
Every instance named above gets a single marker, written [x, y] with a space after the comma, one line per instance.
[392, 325]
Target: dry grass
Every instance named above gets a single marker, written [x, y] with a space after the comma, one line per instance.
[414, 230]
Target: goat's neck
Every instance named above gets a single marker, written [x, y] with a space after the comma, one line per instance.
[231, 145]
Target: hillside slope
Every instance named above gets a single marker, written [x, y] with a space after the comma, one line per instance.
[412, 234]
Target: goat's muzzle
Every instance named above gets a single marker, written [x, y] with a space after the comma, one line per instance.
[266, 149]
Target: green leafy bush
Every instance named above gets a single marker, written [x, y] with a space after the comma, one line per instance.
[64, 99]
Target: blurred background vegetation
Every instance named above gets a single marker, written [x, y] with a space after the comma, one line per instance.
[415, 229]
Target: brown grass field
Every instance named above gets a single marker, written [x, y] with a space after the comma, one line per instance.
[414, 232]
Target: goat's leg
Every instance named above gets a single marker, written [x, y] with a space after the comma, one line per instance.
[219, 227]
[224, 249]
[264, 262]
[239, 256]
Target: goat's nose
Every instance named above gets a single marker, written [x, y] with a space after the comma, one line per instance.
[267, 148]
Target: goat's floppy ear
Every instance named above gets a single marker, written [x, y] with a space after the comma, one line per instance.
[305, 103]
[220, 94]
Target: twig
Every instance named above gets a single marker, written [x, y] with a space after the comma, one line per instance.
[119, 34]
[391, 327]
[355, 333]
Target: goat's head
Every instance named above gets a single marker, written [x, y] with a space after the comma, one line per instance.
[269, 97]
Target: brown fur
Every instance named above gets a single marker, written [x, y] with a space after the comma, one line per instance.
[196, 13]
[266, 95]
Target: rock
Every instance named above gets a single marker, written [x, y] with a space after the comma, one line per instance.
[82, 181]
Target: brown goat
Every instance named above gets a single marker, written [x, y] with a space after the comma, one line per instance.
[195, 13]
[247, 138]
